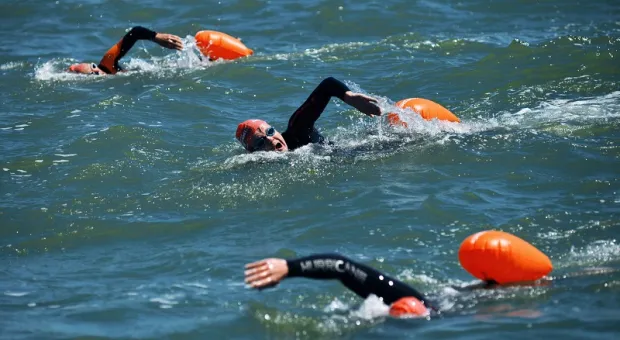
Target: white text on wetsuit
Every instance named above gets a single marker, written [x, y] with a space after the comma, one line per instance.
[334, 265]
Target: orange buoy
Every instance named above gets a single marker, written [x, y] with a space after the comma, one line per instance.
[503, 258]
[428, 109]
[216, 45]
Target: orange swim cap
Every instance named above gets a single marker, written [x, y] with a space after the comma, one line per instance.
[246, 130]
[408, 306]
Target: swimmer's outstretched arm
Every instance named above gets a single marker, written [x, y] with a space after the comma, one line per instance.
[302, 121]
[359, 278]
[109, 62]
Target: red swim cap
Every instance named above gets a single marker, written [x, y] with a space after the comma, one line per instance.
[246, 130]
[79, 68]
[408, 306]
[86, 68]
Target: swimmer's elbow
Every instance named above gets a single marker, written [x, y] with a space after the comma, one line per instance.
[329, 80]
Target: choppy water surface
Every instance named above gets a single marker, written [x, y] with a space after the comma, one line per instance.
[128, 210]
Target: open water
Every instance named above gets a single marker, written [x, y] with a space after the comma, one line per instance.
[127, 209]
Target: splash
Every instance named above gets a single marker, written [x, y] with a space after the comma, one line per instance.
[564, 111]
[595, 254]
[372, 308]
[14, 65]
[56, 70]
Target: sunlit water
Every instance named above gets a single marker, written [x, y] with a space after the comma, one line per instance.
[128, 209]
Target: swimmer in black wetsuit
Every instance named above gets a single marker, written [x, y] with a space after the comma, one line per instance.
[109, 62]
[258, 135]
[359, 278]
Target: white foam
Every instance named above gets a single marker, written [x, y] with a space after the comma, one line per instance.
[164, 301]
[12, 65]
[564, 111]
[15, 294]
[196, 285]
[411, 275]
[331, 48]
[372, 308]
[253, 157]
[56, 70]
[596, 253]
[335, 306]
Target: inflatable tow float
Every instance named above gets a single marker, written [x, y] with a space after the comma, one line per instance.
[502, 257]
[427, 109]
[217, 45]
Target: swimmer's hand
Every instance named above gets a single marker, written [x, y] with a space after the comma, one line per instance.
[170, 41]
[265, 273]
[365, 104]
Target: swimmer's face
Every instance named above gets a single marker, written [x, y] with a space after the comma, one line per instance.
[267, 138]
[86, 68]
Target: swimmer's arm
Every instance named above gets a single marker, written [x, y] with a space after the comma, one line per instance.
[309, 112]
[109, 62]
[359, 278]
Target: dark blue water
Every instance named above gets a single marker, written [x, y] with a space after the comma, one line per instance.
[128, 209]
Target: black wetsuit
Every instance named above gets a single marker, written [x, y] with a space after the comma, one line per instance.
[301, 130]
[109, 62]
[360, 278]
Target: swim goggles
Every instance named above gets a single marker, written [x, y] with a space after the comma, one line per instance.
[93, 66]
[259, 143]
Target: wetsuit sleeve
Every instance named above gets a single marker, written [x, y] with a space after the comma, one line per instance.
[359, 278]
[301, 124]
[109, 62]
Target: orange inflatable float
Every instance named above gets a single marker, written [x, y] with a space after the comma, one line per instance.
[428, 109]
[503, 258]
[218, 45]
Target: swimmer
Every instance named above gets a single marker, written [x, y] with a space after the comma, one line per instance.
[363, 280]
[258, 135]
[109, 62]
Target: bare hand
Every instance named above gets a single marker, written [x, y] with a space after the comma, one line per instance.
[265, 273]
[363, 103]
[170, 41]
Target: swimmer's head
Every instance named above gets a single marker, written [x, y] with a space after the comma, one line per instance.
[408, 307]
[86, 68]
[258, 135]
